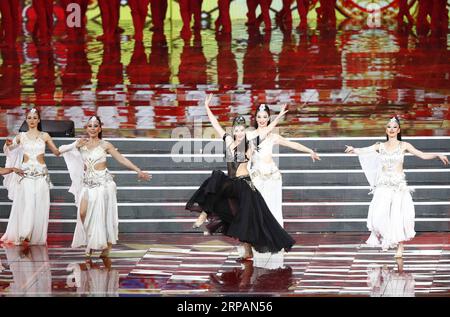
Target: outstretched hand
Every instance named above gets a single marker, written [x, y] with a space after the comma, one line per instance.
[8, 142]
[349, 149]
[444, 159]
[144, 176]
[315, 156]
[19, 172]
[283, 110]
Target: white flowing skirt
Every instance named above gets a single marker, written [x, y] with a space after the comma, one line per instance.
[267, 180]
[101, 224]
[29, 212]
[391, 217]
[269, 183]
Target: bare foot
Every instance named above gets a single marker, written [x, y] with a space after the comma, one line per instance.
[200, 220]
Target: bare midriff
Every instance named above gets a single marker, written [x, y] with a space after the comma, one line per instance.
[398, 169]
[242, 170]
[39, 158]
[99, 166]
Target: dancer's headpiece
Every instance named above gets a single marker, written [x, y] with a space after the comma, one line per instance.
[262, 107]
[93, 119]
[239, 120]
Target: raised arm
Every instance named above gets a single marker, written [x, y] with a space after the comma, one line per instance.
[275, 122]
[425, 156]
[126, 162]
[351, 150]
[212, 118]
[49, 141]
[296, 146]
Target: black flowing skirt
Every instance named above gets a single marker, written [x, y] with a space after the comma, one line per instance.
[237, 209]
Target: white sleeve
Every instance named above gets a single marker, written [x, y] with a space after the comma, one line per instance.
[14, 158]
[75, 166]
[370, 162]
[68, 147]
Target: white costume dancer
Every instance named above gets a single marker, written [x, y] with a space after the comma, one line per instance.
[101, 224]
[30, 193]
[391, 211]
[267, 178]
[97, 225]
[264, 172]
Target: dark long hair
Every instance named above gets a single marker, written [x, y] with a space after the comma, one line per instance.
[240, 121]
[100, 134]
[39, 126]
[261, 107]
[399, 136]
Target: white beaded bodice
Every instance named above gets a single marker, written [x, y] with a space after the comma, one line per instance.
[32, 148]
[391, 161]
[263, 165]
[92, 157]
[391, 174]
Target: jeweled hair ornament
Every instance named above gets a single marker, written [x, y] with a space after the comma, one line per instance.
[262, 107]
[239, 120]
[393, 120]
[93, 119]
[33, 111]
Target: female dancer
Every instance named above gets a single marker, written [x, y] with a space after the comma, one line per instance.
[94, 190]
[233, 205]
[264, 172]
[391, 212]
[28, 221]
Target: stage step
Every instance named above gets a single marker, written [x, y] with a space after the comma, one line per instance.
[329, 195]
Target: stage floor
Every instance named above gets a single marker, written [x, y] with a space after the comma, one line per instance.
[196, 265]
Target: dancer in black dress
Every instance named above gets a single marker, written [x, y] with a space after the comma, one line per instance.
[232, 204]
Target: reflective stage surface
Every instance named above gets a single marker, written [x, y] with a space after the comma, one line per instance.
[194, 265]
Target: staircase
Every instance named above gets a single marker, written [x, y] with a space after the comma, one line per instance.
[326, 196]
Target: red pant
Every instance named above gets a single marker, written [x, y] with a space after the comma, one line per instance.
[224, 19]
[110, 17]
[403, 10]
[265, 12]
[10, 20]
[302, 7]
[139, 10]
[44, 13]
[159, 10]
[439, 16]
[189, 8]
